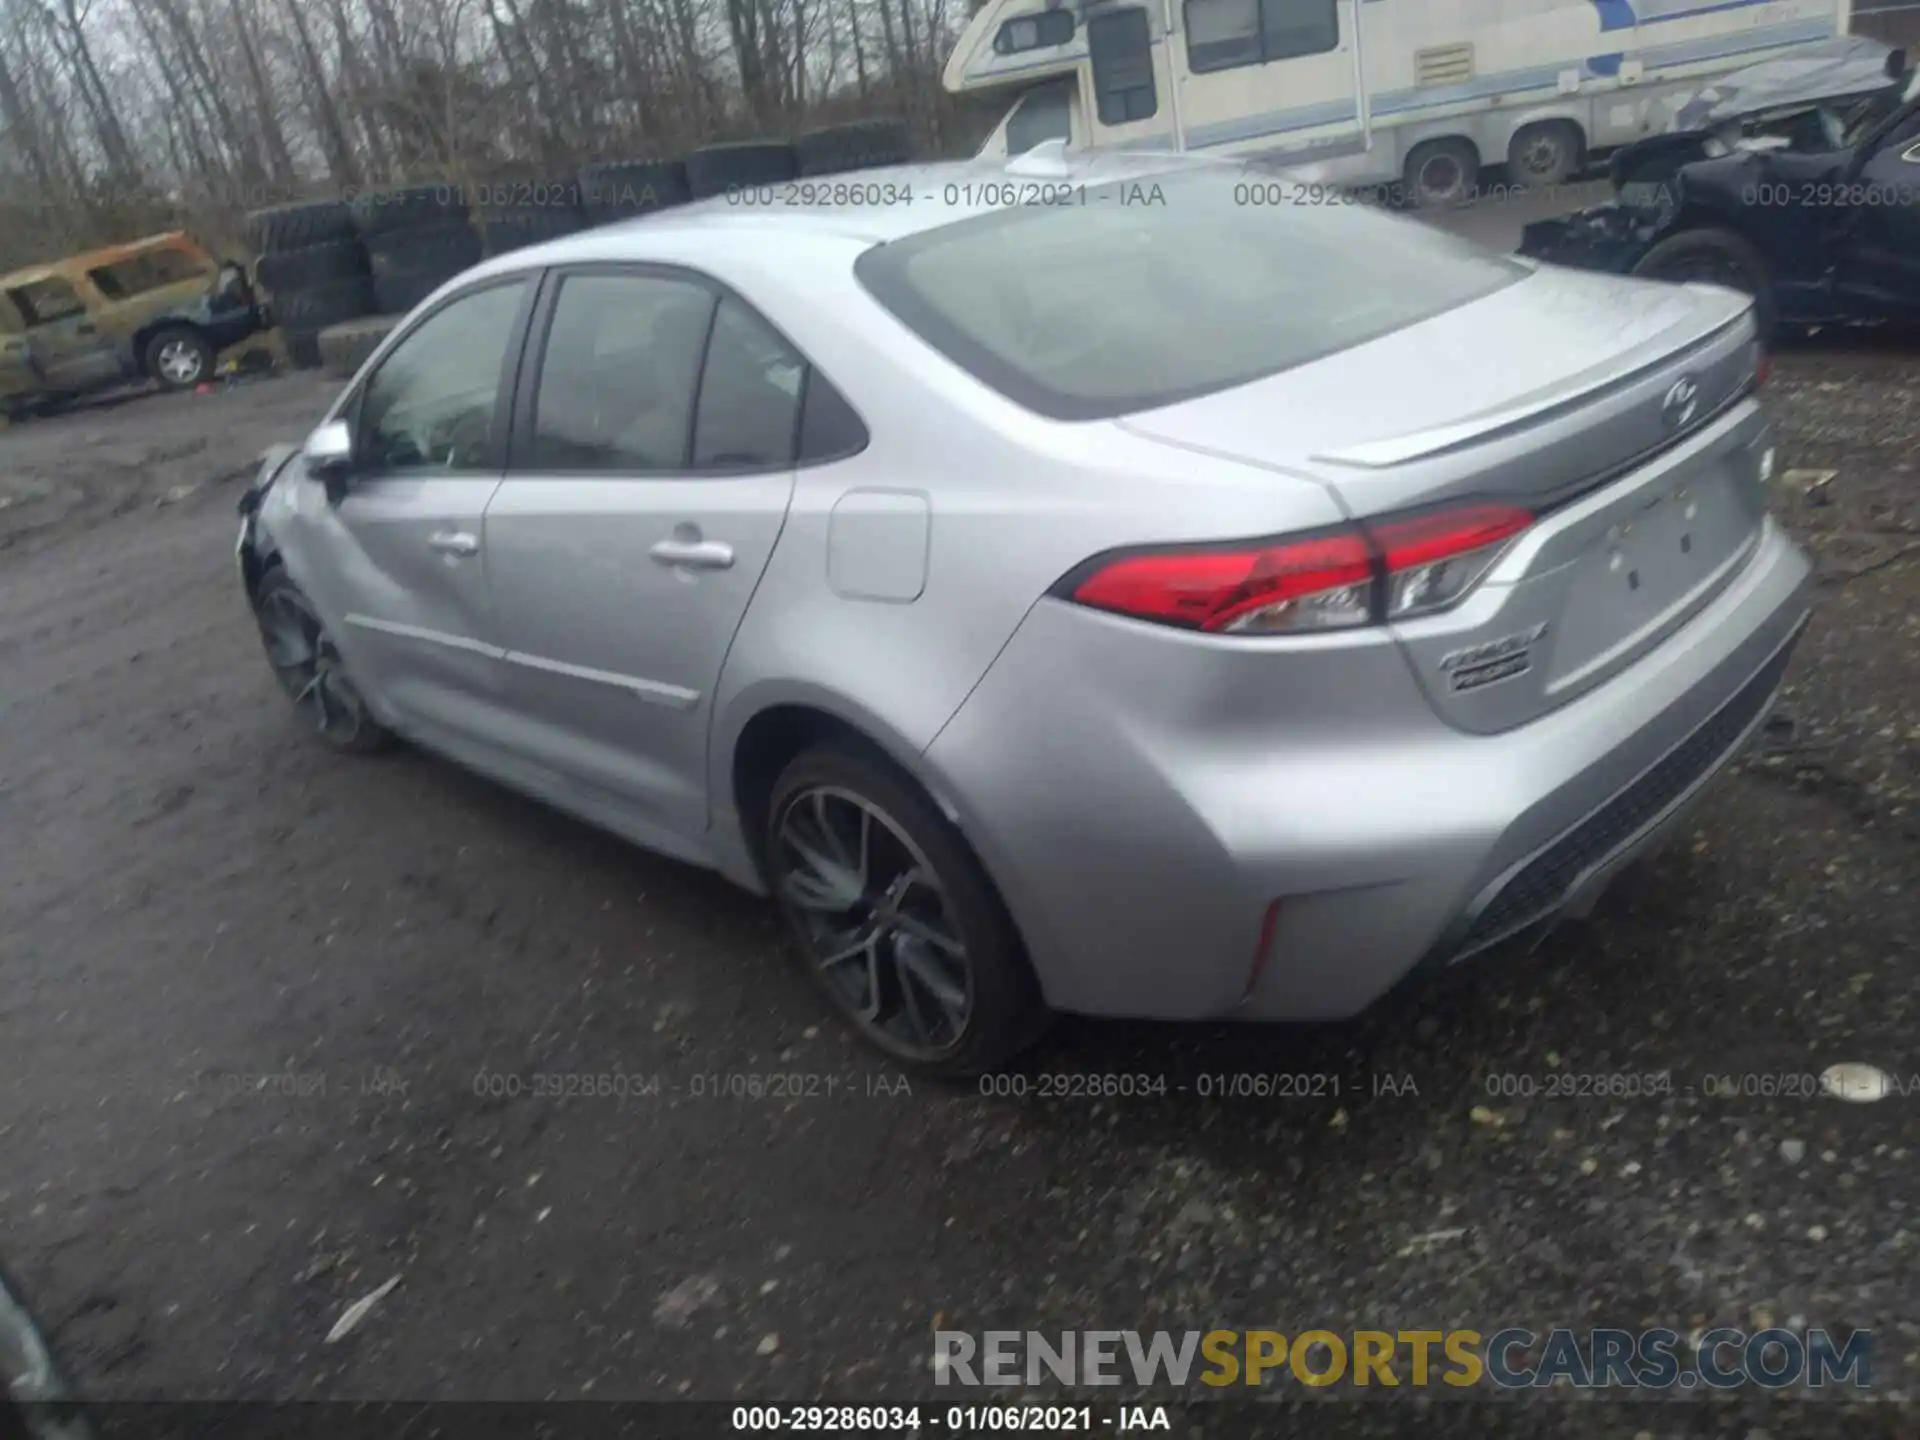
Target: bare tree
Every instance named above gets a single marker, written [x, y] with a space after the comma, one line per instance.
[116, 113]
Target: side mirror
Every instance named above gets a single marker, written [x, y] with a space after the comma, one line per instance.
[329, 456]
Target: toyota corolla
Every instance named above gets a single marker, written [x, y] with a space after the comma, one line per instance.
[1067, 586]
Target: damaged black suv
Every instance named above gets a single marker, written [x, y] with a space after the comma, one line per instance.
[1796, 180]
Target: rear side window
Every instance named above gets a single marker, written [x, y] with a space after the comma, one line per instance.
[1170, 287]
[45, 301]
[1120, 46]
[829, 428]
[141, 273]
[648, 373]
[618, 378]
[749, 395]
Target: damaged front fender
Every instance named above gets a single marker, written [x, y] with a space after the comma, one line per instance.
[1612, 236]
[255, 547]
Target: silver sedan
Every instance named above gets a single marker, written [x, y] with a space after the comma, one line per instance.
[1115, 586]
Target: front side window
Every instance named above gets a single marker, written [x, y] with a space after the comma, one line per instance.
[1224, 34]
[620, 373]
[1120, 45]
[45, 301]
[431, 403]
[1138, 299]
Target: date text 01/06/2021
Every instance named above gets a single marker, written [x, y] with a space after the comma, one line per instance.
[958, 1419]
[961, 194]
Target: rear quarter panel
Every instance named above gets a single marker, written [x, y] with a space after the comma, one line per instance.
[1012, 503]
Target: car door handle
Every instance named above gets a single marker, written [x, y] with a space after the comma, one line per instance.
[454, 542]
[694, 554]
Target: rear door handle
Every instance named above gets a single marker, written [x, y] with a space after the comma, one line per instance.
[694, 554]
[454, 542]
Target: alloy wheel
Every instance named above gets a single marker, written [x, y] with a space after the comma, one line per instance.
[309, 667]
[875, 918]
[179, 362]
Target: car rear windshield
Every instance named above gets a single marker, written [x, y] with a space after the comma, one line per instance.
[1130, 296]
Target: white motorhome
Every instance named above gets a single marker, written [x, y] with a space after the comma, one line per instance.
[1367, 92]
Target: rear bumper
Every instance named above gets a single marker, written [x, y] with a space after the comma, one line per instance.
[1568, 874]
[1140, 850]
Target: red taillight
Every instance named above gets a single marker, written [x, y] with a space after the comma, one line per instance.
[1232, 589]
[1359, 575]
[1762, 370]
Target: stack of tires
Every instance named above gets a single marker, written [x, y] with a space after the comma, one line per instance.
[512, 212]
[620, 189]
[314, 269]
[345, 347]
[856, 145]
[739, 165]
[418, 237]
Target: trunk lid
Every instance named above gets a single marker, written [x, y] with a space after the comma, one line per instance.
[1617, 411]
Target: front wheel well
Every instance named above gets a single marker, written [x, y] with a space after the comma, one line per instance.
[144, 335]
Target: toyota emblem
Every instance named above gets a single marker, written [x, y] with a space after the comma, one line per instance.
[1682, 403]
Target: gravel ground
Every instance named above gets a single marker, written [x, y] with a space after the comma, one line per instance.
[253, 998]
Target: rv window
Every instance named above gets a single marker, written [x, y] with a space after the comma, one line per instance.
[1044, 114]
[1034, 32]
[1121, 48]
[1130, 301]
[1222, 34]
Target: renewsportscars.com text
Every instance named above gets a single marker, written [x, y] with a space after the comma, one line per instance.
[1659, 1359]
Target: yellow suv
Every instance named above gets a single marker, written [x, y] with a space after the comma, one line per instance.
[161, 307]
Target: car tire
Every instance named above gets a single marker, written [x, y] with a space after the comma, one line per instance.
[1719, 257]
[295, 227]
[619, 189]
[717, 169]
[856, 145]
[309, 668]
[178, 357]
[1441, 173]
[963, 940]
[342, 349]
[314, 307]
[411, 207]
[302, 347]
[284, 270]
[1546, 154]
[408, 266]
